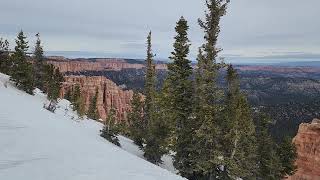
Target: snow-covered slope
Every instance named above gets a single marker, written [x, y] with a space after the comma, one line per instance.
[36, 144]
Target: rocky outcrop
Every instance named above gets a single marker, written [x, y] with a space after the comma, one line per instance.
[307, 142]
[79, 65]
[109, 94]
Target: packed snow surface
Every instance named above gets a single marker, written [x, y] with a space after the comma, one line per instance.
[36, 144]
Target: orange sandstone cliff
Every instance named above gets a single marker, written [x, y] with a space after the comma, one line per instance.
[109, 94]
[79, 65]
[307, 142]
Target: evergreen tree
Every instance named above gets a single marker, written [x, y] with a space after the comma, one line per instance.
[68, 95]
[53, 81]
[238, 130]
[77, 101]
[75, 97]
[156, 128]
[5, 65]
[157, 133]
[135, 118]
[93, 111]
[208, 97]
[22, 71]
[288, 154]
[55, 85]
[38, 64]
[48, 76]
[110, 130]
[81, 104]
[166, 113]
[178, 88]
[268, 160]
[150, 83]
[124, 129]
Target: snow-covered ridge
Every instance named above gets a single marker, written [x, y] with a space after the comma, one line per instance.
[36, 144]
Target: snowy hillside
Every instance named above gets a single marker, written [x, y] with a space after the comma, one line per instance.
[36, 144]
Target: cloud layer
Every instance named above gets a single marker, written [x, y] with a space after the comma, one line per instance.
[119, 28]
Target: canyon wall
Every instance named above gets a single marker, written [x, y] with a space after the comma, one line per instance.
[109, 94]
[307, 142]
[117, 64]
[79, 65]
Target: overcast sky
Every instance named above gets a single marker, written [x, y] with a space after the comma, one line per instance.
[251, 28]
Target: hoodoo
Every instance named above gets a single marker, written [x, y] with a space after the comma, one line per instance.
[109, 94]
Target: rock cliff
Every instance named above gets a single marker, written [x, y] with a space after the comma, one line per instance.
[109, 94]
[307, 142]
[79, 65]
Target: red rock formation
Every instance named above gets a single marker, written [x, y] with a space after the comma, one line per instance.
[109, 94]
[114, 64]
[97, 65]
[307, 142]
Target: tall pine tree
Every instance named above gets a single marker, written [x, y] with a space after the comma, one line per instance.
[268, 160]
[150, 84]
[208, 97]
[38, 64]
[53, 79]
[93, 111]
[179, 89]
[135, 118]
[288, 153]
[5, 65]
[155, 127]
[22, 71]
[77, 101]
[238, 132]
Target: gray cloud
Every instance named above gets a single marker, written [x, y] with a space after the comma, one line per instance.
[250, 28]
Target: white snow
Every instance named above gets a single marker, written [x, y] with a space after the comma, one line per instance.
[36, 144]
[129, 146]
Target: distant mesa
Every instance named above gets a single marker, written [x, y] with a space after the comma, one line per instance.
[96, 64]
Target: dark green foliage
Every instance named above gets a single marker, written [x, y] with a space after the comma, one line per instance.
[149, 89]
[208, 96]
[110, 130]
[93, 111]
[27, 76]
[156, 129]
[75, 97]
[39, 67]
[124, 129]
[157, 133]
[54, 83]
[22, 70]
[288, 154]
[5, 63]
[239, 143]
[77, 101]
[68, 95]
[268, 160]
[52, 80]
[135, 118]
[177, 94]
